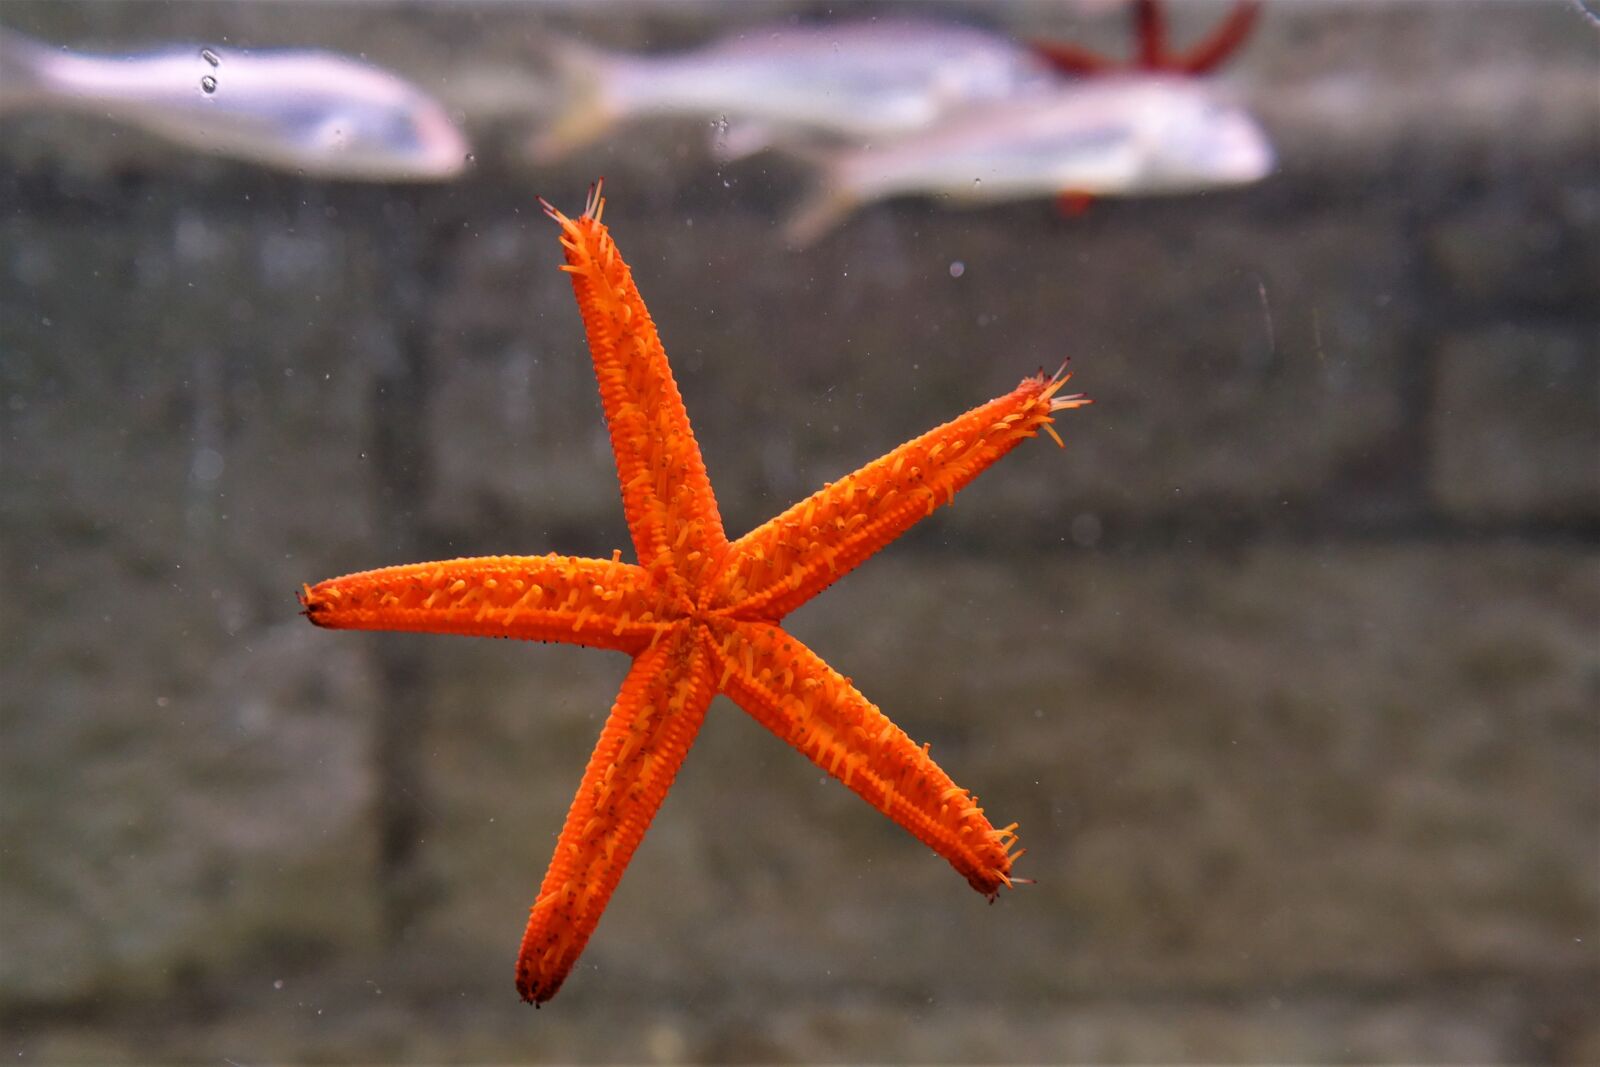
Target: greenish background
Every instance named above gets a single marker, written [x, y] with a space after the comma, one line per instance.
[1287, 666]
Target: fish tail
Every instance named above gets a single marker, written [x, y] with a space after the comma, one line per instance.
[583, 107]
[24, 71]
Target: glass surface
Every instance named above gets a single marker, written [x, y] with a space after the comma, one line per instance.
[1287, 665]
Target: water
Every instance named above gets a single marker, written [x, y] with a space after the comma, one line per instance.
[1286, 665]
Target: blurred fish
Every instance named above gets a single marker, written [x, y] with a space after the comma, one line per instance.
[856, 79]
[1587, 12]
[318, 113]
[1116, 136]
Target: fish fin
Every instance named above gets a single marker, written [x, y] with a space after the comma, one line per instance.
[733, 141]
[581, 107]
[820, 211]
[24, 71]
[832, 195]
[1073, 204]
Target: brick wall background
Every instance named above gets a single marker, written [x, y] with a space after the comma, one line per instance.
[1287, 665]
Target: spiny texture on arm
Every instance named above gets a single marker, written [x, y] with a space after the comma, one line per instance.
[655, 720]
[790, 690]
[781, 564]
[700, 616]
[600, 603]
[666, 494]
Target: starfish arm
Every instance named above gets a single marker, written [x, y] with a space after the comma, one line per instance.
[651, 726]
[601, 603]
[1070, 58]
[790, 690]
[1209, 53]
[666, 493]
[783, 563]
[1150, 33]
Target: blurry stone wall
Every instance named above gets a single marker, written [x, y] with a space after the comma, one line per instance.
[1287, 666]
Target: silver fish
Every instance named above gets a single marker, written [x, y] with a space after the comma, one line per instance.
[859, 79]
[1115, 136]
[317, 113]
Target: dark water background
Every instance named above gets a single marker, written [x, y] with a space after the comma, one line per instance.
[1287, 666]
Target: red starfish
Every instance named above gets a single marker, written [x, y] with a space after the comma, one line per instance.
[700, 615]
[1150, 30]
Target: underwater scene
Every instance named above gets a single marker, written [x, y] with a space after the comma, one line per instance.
[1054, 531]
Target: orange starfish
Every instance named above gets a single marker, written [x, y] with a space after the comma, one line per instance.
[700, 615]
